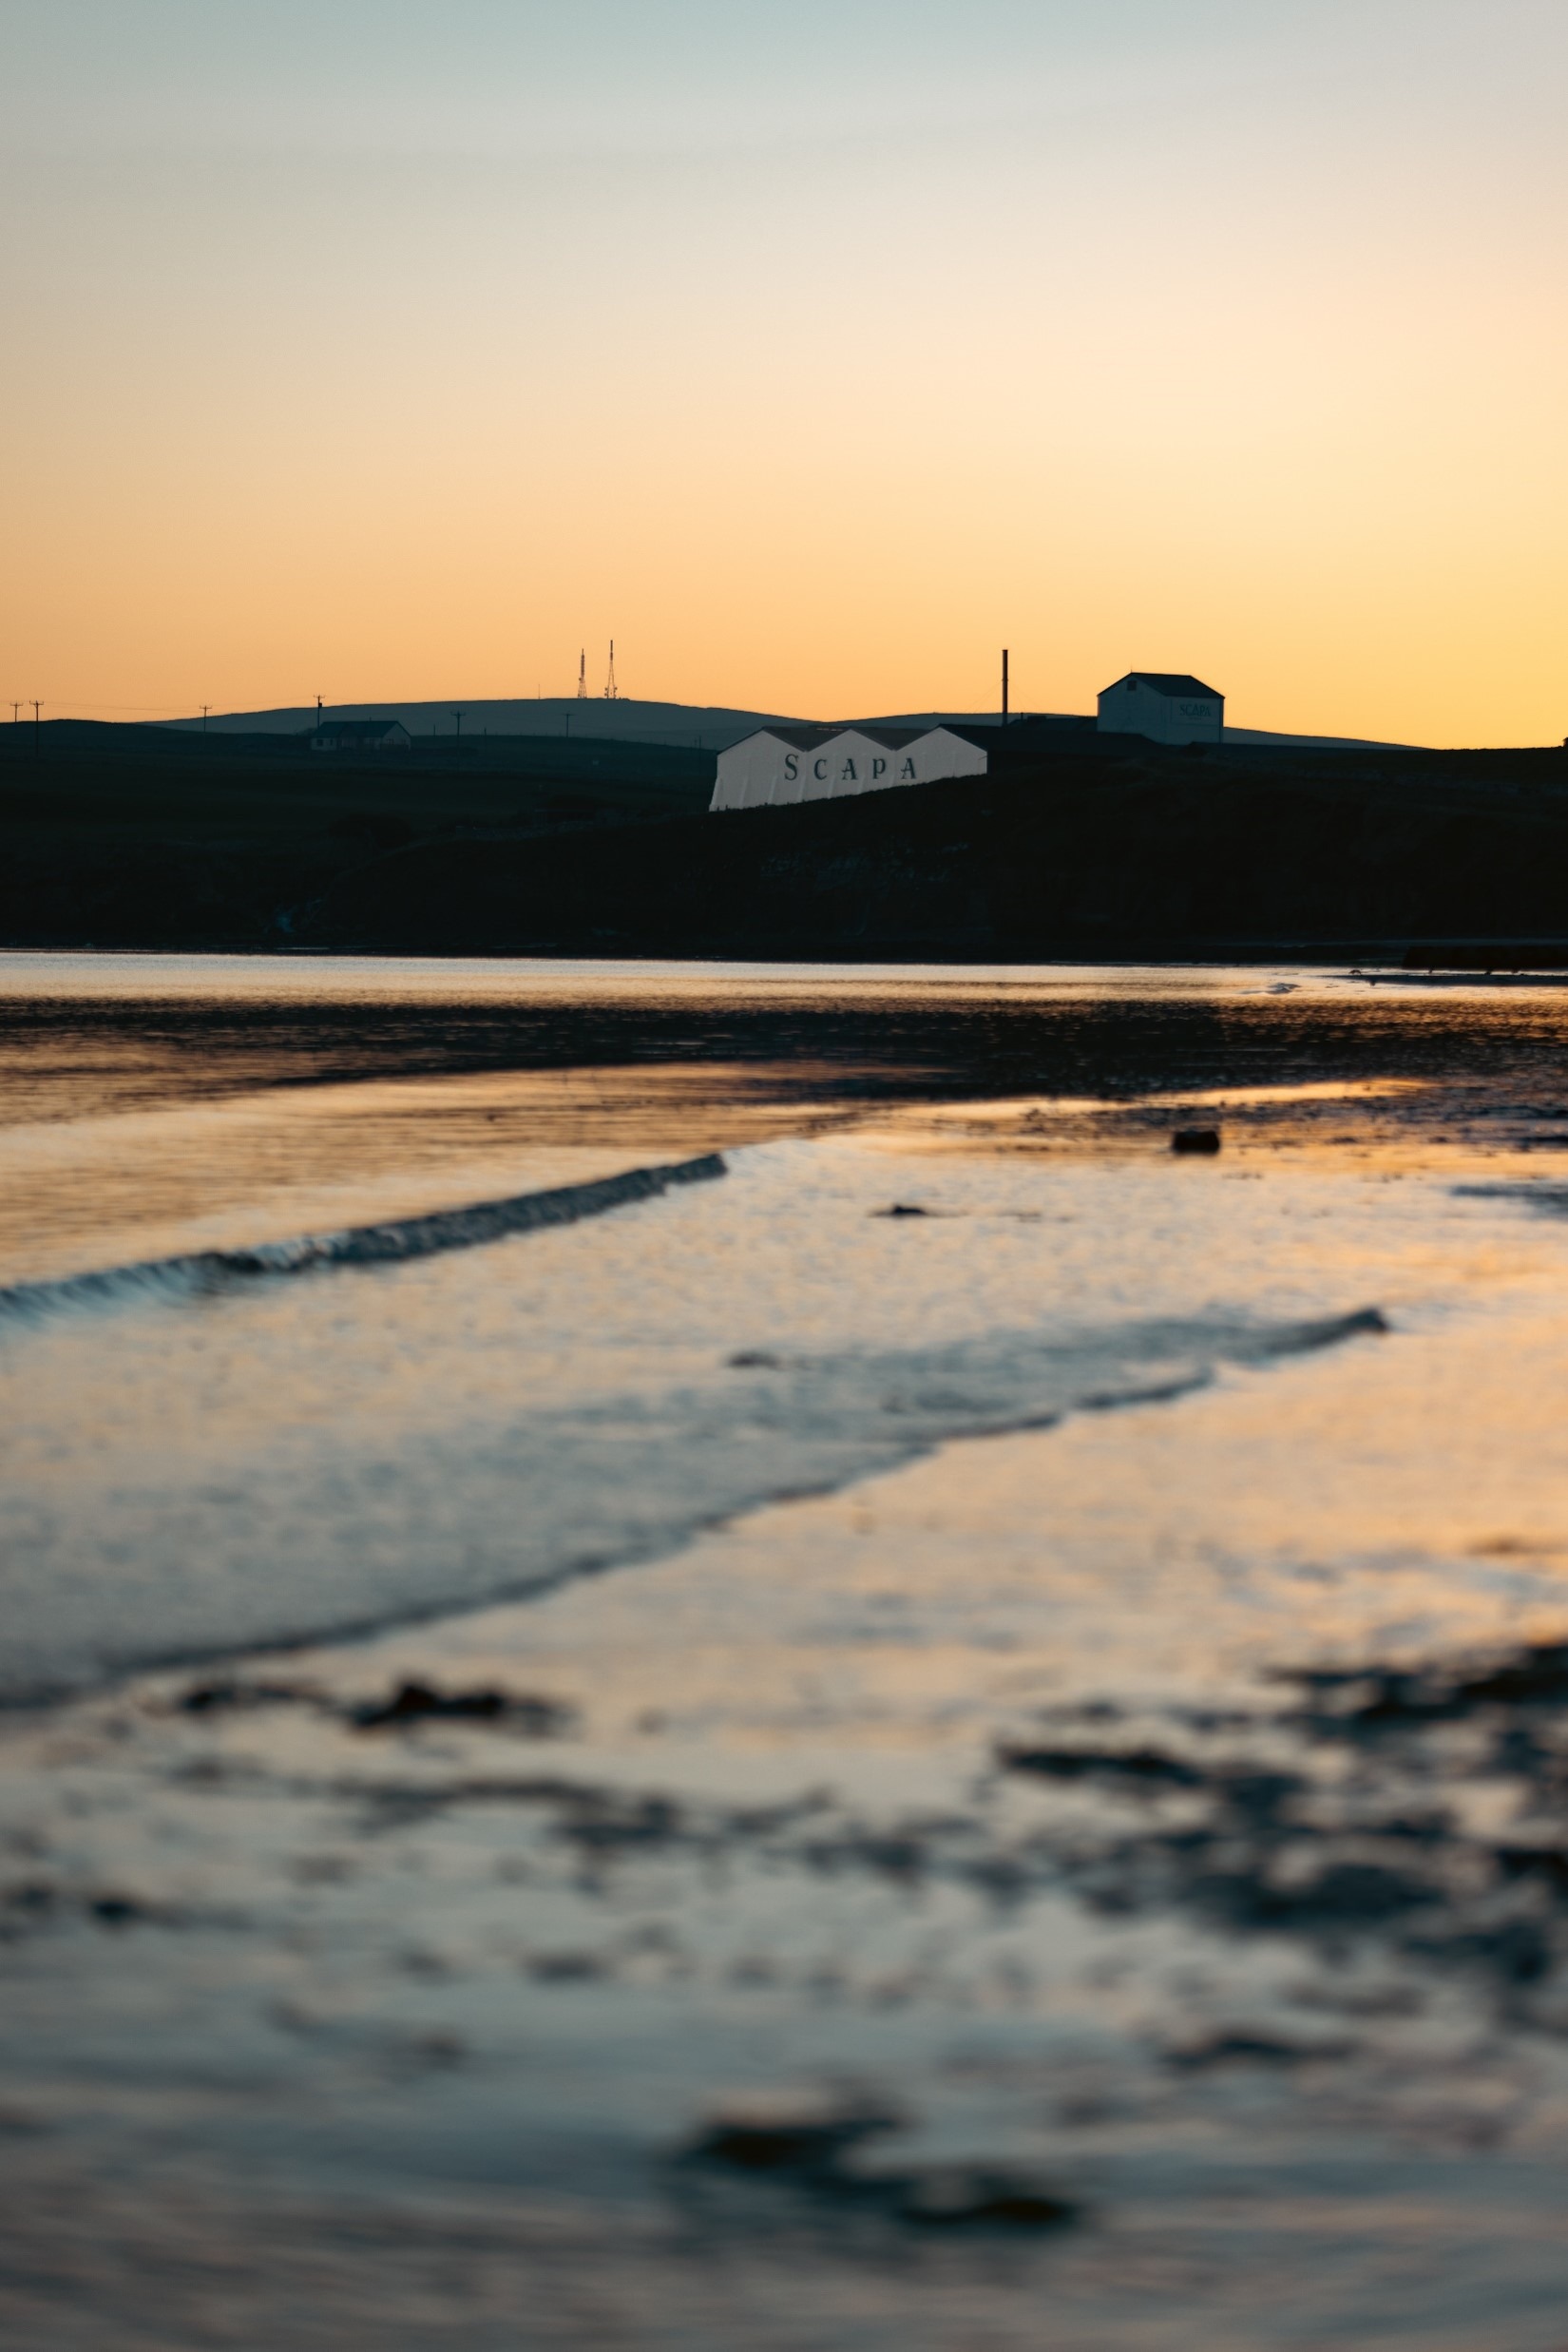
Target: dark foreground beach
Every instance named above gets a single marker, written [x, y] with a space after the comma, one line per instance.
[698, 1656]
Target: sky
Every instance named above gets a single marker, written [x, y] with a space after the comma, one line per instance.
[399, 349]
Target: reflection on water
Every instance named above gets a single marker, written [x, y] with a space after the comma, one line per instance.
[154, 1104]
[86, 1193]
[1048, 1834]
[85, 1033]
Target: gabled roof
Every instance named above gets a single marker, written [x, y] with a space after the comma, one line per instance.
[891, 738]
[804, 738]
[1175, 683]
[813, 739]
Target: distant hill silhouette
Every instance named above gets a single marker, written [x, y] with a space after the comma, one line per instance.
[703, 727]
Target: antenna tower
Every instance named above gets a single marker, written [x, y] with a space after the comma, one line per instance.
[611, 691]
[582, 676]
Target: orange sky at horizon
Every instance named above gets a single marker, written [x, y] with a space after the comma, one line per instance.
[812, 418]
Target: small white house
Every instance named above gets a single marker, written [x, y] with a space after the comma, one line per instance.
[1165, 705]
[778, 766]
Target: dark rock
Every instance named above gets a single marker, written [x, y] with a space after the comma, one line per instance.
[608, 1826]
[1255, 1797]
[209, 1698]
[1547, 1865]
[419, 1702]
[803, 2133]
[117, 1910]
[1142, 1765]
[1376, 1698]
[1343, 1893]
[965, 2200]
[1196, 1139]
[35, 1895]
[566, 1968]
[1256, 2049]
[1536, 1677]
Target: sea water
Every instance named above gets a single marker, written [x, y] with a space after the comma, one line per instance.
[1031, 1654]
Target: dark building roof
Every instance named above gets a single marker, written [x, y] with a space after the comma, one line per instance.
[358, 730]
[1175, 683]
[814, 736]
[804, 738]
[891, 738]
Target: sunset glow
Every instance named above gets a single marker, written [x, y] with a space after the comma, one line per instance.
[391, 351]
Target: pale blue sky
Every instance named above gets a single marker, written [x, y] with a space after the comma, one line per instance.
[516, 76]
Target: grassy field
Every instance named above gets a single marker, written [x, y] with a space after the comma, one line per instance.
[531, 845]
[135, 781]
[152, 836]
[1120, 850]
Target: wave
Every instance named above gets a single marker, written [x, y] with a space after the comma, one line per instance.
[342, 1531]
[1551, 1199]
[201, 1273]
[1004, 1381]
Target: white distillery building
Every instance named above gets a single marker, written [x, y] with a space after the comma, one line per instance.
[778, 766]
[1165, 705]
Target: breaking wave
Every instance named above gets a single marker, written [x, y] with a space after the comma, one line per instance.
[201, 1273]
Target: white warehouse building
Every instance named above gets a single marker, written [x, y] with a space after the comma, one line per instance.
[1165, 705]
[780, 765]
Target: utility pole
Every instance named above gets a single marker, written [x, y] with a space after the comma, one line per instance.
[205, 708]
[37, 746]
[1004, 685]
[458, 715]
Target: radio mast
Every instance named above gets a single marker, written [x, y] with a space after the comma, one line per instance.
[582, 676]
[611, 692]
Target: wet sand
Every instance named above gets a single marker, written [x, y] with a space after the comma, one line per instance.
[1053, 1838]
